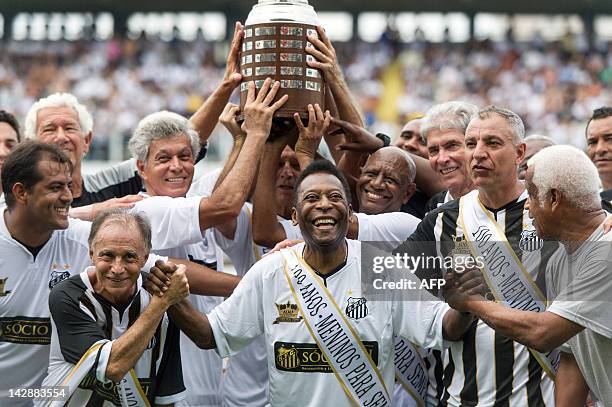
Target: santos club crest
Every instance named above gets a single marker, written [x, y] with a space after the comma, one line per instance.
[530, 242]
[356, 308]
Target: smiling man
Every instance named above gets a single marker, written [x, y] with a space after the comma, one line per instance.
[509, 374]
[443, 130]
[323, 276]
[112, 342]
[40, 246]
[599, 149]
[165, 145]
[385, 184]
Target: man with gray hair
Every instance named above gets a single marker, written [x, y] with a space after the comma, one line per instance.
[563, 184]
[443, 130]
[60, 119]
[112, 341]
[487, 368]
[164, 146]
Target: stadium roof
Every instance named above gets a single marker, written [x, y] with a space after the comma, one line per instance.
[241, 7]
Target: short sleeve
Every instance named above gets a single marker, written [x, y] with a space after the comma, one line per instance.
[243, 223]
[420, 322]
[386, 227]
[175, 222]
[239, 319]
[76, 327]
[586, 299]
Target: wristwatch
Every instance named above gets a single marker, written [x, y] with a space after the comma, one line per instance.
[384, 138]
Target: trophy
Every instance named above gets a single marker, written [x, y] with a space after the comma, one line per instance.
[274, 43]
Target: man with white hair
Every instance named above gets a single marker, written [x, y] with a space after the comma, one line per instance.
[62, 120]
[563, 184]
[486, 368]
[443, 129]
[599, 149]
[533, 144]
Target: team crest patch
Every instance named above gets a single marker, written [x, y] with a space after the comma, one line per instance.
[287, 313]
[530, 242]
[356, 308]
[3, 293]
[288, 358]
[58, 275]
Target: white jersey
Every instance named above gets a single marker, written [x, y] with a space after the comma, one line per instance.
[384, 227]
[201, 368]
[245, 382]
[580, 286]
[25, 281]
[307, 380]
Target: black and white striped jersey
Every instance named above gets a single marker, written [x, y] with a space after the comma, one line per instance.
[486, 368]
[81, 317]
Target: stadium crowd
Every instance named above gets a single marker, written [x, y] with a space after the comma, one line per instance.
[112, 290]
[553, 86]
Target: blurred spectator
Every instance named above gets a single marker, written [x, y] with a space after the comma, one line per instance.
[553, 86]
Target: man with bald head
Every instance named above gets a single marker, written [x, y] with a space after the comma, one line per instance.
[385, 184]
[533, 144]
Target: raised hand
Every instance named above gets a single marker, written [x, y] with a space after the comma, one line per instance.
[259, 110]
[359, 139]
[325, 56]
[310, 136]
[232, 66]
[228, 119]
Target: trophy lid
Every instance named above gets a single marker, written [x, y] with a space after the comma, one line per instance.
[297, 11]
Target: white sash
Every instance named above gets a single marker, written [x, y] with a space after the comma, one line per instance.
[410, 369]
[504, 272]
[129, 389]
[353, 361]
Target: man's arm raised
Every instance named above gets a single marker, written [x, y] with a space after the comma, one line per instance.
[226, 201]
[205, 118]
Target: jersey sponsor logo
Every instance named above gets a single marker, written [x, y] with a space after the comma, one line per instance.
[287, 313]
[530, 242]
[3, 292]
[356, 308]
[25, 330]
[308, 358]
[109, 391]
